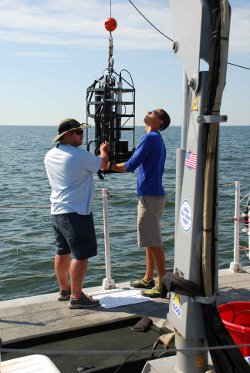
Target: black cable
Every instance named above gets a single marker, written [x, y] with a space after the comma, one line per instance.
[131, 355]
[150, 22]
[165, 353]
[129, 75]
[229, 63]
[242, 67]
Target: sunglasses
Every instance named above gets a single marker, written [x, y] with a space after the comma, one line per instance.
[155, 112]
[77, 132]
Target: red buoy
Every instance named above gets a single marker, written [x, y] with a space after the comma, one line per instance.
[110, 24]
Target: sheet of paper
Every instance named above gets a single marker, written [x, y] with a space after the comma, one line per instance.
[119, 297]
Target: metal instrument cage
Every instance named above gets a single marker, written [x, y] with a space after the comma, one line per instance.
[110, 106]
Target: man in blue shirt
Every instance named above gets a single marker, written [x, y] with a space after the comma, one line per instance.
[149, 158]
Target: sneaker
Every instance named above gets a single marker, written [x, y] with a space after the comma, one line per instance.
[155, 292]
[143, 284]
[64, 294]
[85, 301]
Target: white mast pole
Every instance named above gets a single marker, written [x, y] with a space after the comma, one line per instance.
[235, 265]
[108, 282]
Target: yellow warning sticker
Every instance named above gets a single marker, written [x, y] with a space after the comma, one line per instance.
[195, 104]
[177, 299]
[176, 305]
[200, 361]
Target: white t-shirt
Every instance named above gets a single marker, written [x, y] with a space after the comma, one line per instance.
[70, 172]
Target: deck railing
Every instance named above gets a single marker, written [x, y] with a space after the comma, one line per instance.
[235, 266]
[239, 219]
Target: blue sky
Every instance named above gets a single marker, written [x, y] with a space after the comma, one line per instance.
[52, 50]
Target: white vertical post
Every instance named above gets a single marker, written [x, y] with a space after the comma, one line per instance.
[107, 282]
[181, 152]
[185, 111]
[235, 265]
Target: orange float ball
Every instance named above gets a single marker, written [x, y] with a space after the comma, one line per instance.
[110, 24]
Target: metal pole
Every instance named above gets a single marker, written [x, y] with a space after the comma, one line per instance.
[180, 158]
[185, 111]
[181, 152]
[192, 360]
[107, 282]
[235, 265]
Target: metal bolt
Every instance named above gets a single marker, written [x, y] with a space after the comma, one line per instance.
[175, 46]
[192, 83]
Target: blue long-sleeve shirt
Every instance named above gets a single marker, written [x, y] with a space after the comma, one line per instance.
[149, 158]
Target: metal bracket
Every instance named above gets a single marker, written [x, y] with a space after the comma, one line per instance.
[204, 300]
[211, 118]
[178, 272]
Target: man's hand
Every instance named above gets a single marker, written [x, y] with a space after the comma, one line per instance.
[104, 151]
[108, 166]
[105, 147]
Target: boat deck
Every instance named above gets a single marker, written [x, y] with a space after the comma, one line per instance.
[42, 315]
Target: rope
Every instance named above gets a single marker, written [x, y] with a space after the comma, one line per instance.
[242, 221]
[169, 259]
[244, 248]
[128, 191]
[226, 185]
[26, 277]
[246, 196]
[25, 207]
[120, 352]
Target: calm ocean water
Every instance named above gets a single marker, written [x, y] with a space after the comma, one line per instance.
[27, 242]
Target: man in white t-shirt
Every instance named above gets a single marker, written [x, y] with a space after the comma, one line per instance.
[70, 172]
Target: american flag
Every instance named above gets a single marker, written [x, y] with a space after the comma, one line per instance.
[190, 160]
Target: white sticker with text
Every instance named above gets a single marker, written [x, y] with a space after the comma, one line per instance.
[186, 215]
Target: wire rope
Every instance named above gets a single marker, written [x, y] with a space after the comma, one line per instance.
[229, 63]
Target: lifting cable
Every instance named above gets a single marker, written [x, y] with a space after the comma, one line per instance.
[229, 63]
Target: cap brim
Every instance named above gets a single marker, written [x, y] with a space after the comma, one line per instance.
[83, 125]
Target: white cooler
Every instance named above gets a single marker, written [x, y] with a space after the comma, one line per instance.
[29, 364]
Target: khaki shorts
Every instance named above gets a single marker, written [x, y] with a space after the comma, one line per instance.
[150, 209]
